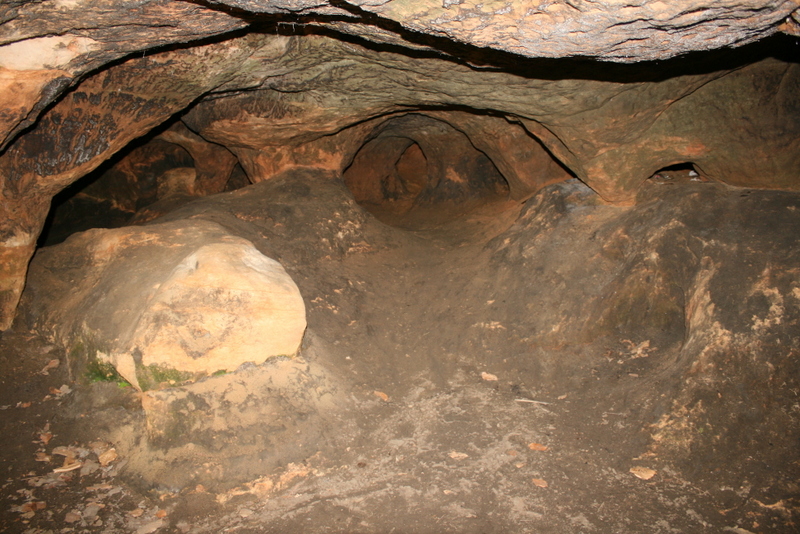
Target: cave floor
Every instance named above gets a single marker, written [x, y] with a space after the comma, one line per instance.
[447, 414]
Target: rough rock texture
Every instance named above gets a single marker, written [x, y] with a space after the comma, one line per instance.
[166, 302]
[84, 129]
[223, 419]
[663, 334]
[416, 161]
[48, 46]
[277, 97]
[613, 128]
[613, 30]
[213, 163]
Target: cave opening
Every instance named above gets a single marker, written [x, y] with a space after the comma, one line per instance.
[419, 173]
[679, 173]
[151, 176]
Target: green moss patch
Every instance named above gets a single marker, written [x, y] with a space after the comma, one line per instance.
[154, 376]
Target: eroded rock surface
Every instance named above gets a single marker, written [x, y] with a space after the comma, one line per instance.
[301, 88]
[166, 303]
[662, 335]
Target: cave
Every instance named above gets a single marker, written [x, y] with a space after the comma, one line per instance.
[418, 173]
[400, 266]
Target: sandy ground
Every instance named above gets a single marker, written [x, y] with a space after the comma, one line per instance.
[450, 384]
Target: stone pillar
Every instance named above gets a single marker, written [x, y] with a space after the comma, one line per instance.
[20, 225]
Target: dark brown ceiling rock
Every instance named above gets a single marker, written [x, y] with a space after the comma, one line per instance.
[213, 163]
[612, 30]
[47, 46]
[110, 196]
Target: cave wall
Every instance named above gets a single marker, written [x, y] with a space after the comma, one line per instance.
[287, 84]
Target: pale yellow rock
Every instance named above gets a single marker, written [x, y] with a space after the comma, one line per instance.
[644, 473]
[169, 303]
[224, 305]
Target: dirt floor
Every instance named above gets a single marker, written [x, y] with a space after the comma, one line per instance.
[571, 367]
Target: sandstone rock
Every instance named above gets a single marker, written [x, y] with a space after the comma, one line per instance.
[279, 101]
[22, 93]
[416, 161]
[611, 126]
[166, 302]
[213, 163]
[117, 192]
[612, 30]
[177, 182]
[83, 130]
[249, 411]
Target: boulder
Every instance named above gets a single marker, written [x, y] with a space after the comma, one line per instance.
[165, 303]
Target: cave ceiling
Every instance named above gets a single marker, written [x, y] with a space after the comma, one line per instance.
[609, 92]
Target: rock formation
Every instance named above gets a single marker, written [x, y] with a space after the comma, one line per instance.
[682, 311]
[166, 302]
[283, 84]
[576, 219]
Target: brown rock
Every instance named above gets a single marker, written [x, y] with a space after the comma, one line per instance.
[79, 133]
[611, 30]
[22, 91]
[66, 40]
[278, 102]
[213, 163]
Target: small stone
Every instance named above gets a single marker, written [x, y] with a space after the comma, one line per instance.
[72, 517]
[643, 473]
[90, 512]
[150, 527]
[107, 457]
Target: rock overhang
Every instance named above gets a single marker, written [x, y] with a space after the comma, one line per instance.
[305, 84]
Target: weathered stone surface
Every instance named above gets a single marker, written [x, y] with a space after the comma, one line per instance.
[65, 40]
[681, 311]
[278, 102]
[520, 157]
[240, 415]
[213, 163]
[176, 187]
[414, 161]
[171, 301]
[24, 93]
[50, 46]
[90, 125]
[612, 30]
[118, 189]
[613, 127]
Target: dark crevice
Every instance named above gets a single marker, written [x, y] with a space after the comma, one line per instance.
[76, 208]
